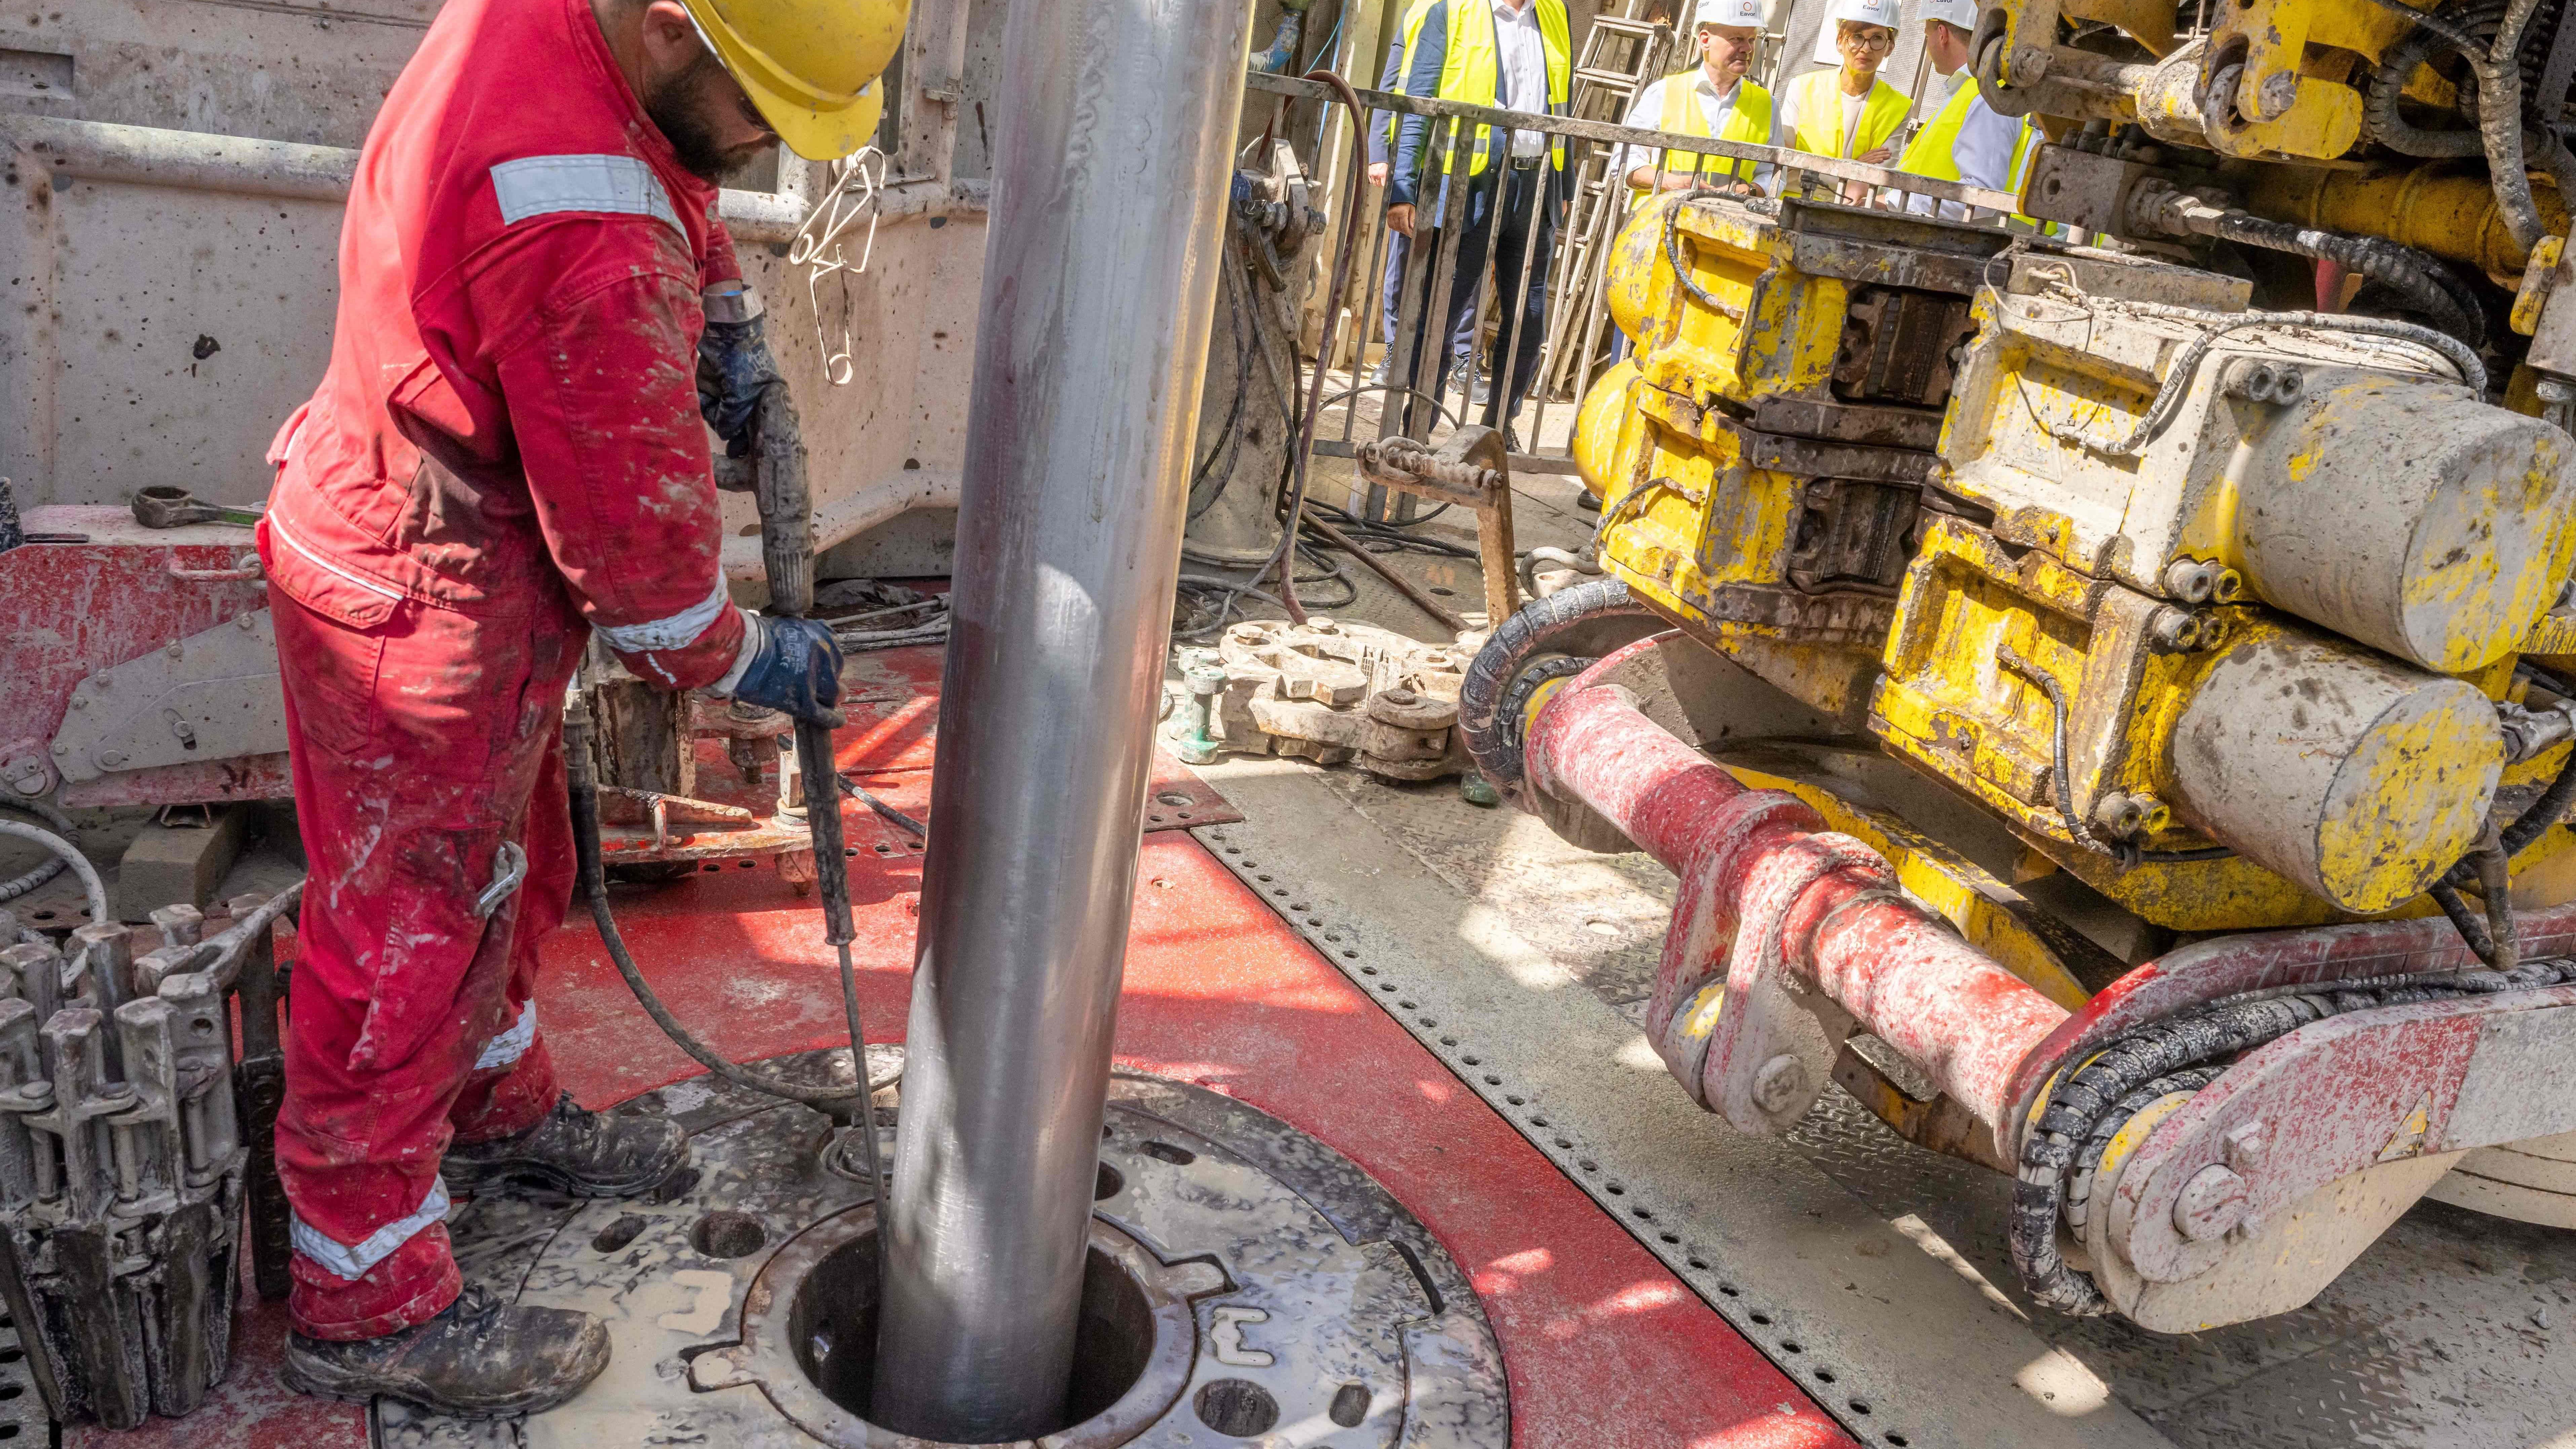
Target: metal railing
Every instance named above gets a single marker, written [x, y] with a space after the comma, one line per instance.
[1414, 367]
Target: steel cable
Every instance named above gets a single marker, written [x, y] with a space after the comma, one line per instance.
[53, 865]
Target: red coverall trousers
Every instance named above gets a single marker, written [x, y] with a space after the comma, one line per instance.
[419, 746]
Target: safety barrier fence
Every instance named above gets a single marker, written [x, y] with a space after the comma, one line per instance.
[1575, 347]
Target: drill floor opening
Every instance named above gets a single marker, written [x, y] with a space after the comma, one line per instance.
[832, 1328]
[1243, 1278]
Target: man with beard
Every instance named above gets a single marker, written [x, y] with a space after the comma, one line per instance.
[539, 319]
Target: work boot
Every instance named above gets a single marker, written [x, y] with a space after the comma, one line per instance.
[480, 1359]
[587, 1154]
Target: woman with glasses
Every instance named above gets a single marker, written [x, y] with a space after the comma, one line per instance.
[1849, 113]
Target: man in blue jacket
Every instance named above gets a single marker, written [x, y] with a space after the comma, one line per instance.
[1514, 55]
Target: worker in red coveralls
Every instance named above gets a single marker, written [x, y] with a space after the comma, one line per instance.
[540, 319]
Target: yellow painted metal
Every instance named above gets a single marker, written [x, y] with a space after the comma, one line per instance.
[2539, 274]
[2321, 123]
[2488, 543]
[1774, 329]
[1949, 704]
[1695, 530]
[1700, 534]
[2442, 208]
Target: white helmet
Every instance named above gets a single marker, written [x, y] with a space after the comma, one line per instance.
[1961, 13]
[1865, 12]
[1732, 12]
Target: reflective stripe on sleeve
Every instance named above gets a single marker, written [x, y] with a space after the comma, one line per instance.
[544, 185]
[676, 632]
[351, 1261]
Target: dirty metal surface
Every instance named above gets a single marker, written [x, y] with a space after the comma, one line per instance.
[2453, 1328]
[1836, 1296]
[1282, 1266]
[1603, 1348]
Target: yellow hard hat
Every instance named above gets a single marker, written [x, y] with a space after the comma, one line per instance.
[811, 66]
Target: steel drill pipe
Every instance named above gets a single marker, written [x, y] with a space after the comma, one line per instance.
[1757, 868]
[1113, 153]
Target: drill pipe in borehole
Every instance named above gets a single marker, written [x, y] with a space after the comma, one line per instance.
[1112, 160]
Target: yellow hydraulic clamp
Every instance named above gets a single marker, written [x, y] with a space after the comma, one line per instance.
[2148, 593]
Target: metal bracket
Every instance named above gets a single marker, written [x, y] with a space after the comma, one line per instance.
[509, 868]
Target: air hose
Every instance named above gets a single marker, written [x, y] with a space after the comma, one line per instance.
[787, 555]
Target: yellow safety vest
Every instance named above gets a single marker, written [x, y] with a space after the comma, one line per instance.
[1934, 151]
[1818, 96]
[1471, 71]
[1749, 122]
[1413, 15]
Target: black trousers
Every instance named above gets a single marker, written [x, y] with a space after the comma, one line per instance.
[1510, 222]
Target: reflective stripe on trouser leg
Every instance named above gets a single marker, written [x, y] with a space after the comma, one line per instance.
[506, 1049]
[350, 1261]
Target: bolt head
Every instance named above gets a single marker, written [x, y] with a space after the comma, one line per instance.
[113, 759]
[1400, 698]
[2242, 1145]
[1780, 1084]
[2211, 1204]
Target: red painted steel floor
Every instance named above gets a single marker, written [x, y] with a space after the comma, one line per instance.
[1603, 1346]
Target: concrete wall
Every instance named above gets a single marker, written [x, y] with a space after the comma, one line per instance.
[173, 327]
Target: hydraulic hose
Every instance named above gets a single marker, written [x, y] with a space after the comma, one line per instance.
[592, 878]
[2499, 73]
[1344, 249]
[2418, 276]
[787, 556]
[2173, 1053]
[2379, 114]
[19, 885]
[2178, 373]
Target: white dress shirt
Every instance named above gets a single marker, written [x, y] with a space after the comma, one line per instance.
[1522, 55]
[1714, 107]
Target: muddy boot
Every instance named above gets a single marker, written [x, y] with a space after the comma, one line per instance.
[587, 1154]
[480, 1359]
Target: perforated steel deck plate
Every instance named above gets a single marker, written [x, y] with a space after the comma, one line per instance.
[1902, 1348]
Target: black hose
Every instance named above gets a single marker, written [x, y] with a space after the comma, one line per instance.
[2127, 854]
[2418, 276]
[2472, 928]
[1584, 622]
[1219, 463]
[593, 880]
[2499, 75]
[2381, 119]
[2093, 1097]
[2178, 373]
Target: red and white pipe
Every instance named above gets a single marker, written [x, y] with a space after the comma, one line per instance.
[1781, 928]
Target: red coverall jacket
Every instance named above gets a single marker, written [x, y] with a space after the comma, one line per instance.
[506, 447]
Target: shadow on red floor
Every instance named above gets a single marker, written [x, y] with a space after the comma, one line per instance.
[1604, 1348]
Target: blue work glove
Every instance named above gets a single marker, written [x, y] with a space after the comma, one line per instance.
[734, 365]
[795, 669]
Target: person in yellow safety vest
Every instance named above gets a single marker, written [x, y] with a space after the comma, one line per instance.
[1849, 113]
[1712, 99]
[1967, 139]
[1515, 55]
